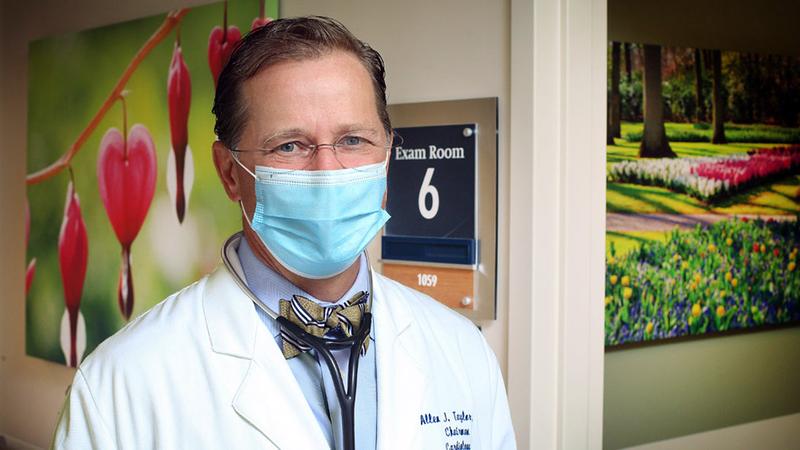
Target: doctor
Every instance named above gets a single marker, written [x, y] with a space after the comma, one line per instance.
[303, 141]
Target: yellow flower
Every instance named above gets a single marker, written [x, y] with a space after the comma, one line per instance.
[608, 299]
[728, 276]
[712, 248]
[676, 257]
[613, 279]
[649, 328]
[685, 265]
[791, 266]
[697, 277]
[611, 260]
[729, 241]
[763, 248]
[626, 280]
[720, 311]
[696, 310]
[734, 282]
[627, 293]
[792, 255]
[722, 293]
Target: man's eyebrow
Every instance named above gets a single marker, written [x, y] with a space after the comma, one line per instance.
[291, 132]
[349, 128]
[265, 141]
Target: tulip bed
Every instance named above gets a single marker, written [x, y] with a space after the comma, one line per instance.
[710, 178]
[737, 273]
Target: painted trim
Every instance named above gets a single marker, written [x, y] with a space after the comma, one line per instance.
[557, 222]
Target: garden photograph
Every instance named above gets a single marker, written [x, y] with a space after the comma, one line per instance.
[123, 202]
[703, 192]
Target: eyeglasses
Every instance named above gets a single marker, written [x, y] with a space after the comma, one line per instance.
[351, 151]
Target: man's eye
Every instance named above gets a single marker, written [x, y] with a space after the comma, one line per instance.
[287, 147]
[352, 141]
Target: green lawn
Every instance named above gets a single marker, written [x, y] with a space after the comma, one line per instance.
[689, 132]
[626, 241]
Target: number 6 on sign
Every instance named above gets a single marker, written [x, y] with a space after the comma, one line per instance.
[428, 189]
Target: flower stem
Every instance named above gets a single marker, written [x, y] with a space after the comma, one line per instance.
[172, 19]
[225, 22]
[124, 125]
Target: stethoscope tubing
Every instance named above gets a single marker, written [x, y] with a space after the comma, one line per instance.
[347, 398]
[323, 346]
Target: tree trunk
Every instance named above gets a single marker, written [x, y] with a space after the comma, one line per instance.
[654, 139]
[758, 84]
[628, 63]
[700, 99]
[717, 101]
[609, 132]
[616, 102]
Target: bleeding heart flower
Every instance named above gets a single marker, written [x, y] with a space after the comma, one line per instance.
[29, 273]
[73, 255]
[179, 95]
[259, 22]
[126, 175]
[31, 270]
[220, 46]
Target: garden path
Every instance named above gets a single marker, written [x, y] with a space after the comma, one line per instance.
[666, 222]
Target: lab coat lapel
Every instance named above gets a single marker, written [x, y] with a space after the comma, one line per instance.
[270, 399]
[268, 396]
[402, 383]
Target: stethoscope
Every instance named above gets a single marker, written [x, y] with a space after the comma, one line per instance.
[322, 345]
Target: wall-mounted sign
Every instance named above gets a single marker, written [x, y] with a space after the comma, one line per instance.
[442, 188]
[432, 201]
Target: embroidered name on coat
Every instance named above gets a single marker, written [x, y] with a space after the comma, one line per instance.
[457, 428]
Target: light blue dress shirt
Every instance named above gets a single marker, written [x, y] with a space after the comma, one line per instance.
[312, 375]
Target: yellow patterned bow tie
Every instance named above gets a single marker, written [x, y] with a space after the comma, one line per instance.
[339, 321]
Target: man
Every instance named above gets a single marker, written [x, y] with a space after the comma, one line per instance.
[303, 148]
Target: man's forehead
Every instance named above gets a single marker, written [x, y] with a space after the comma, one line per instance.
[332, 94]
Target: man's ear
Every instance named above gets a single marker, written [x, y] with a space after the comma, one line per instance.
[226, 170]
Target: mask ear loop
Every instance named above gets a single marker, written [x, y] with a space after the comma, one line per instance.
[392, 137]
[241, 205]
[236, 158]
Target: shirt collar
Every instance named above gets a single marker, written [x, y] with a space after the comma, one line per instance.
[270, 287]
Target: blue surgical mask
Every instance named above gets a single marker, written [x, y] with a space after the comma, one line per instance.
[316, 223]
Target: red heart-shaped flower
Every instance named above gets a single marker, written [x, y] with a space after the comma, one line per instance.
[179, 97]
[126, 177]
[73, 255]
[73, 250]
[220, 47]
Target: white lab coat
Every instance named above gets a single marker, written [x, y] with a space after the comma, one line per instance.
[200, 371]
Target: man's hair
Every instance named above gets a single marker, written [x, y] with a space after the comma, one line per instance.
[292, 39]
